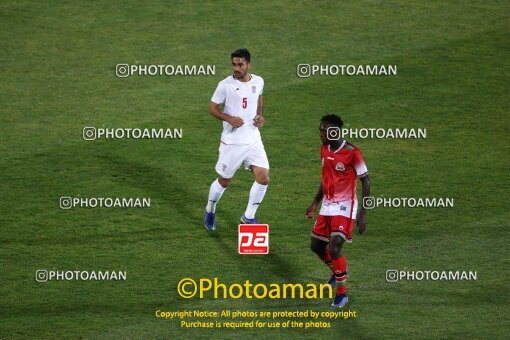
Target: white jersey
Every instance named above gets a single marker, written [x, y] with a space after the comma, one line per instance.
[241, 100]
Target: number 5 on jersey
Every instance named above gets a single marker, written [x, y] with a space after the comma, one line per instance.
[245, 103]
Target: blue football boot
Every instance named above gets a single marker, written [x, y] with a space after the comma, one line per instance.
[210, 221]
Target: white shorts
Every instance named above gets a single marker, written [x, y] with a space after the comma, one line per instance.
[233, 155]
[347, 208]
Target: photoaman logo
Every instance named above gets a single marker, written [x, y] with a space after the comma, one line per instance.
[189, 288]
[253, 239]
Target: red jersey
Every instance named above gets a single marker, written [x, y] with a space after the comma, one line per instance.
[340, 170]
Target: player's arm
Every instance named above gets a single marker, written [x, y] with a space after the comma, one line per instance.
[259, 119]
[362, 215]
[214, 110]
[310, 212]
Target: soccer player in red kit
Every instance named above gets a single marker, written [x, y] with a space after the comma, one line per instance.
[342, 165]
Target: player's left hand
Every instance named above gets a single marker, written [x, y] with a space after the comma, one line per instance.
[362, 222]
[310, 212]
[259, 121]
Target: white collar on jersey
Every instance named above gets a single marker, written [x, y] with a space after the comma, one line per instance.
[251, 77]
[341, 146]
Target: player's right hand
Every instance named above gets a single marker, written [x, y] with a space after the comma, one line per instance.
[235, 121]
[310, 212]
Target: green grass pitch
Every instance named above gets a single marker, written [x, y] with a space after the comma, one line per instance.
[57, 75]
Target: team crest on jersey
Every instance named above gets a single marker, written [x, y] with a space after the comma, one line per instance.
[340, 166]
[253, 89]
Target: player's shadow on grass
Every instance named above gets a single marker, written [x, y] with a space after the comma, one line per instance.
[173, 190]
[168, 189]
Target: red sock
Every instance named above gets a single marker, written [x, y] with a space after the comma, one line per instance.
[339, 269]
[326, 258]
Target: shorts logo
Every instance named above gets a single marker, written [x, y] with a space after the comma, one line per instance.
[253, 239]
[340, 166]
[341, 227]
[223, 167]
[253, 89]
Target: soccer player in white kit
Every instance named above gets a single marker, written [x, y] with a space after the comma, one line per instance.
[242, 116]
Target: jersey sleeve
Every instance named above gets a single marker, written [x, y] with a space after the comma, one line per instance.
[359, 164]
[220, 95]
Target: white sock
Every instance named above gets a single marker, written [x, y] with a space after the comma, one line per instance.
[215, 193]
[257, 193]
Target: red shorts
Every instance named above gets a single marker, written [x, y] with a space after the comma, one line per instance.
[325, 226]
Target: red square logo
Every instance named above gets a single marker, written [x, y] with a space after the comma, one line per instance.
[253, 239]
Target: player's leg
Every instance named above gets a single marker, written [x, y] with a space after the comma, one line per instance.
[320, 241]
[216, 190]
[257, 193]
[229, 160]
[319, 244]
[257, 161]
[260, 174]
[339, 269]
[341, 229]
[321, 248]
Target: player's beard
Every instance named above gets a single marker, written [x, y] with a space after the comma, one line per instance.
[240, 75]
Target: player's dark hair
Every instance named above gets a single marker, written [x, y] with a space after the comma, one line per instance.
[332, 119]
[241, 53]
